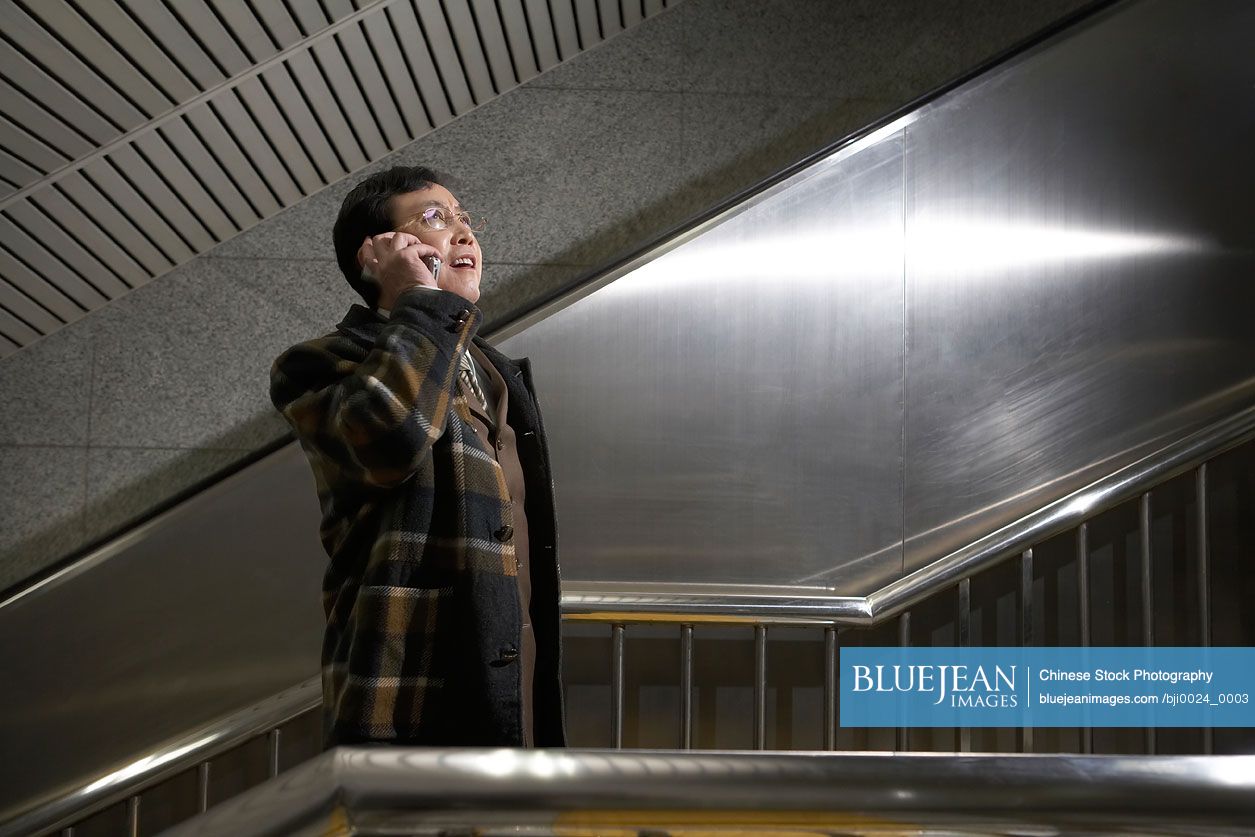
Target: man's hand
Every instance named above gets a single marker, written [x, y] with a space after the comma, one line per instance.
[395, 261]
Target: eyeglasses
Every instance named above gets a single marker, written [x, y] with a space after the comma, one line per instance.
[439, 218]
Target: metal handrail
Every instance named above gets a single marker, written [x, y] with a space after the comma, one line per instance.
[196, 748]
[1052, 519]
[427, 790]
[1061, 515]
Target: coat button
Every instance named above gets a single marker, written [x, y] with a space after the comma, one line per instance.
[504, 533]
[500, 444]
[508, 654]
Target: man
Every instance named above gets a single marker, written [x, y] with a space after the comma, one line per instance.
[432, 469]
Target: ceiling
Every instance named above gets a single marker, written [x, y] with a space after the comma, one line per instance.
[136, 134]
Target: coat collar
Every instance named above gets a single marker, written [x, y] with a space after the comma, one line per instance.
[364, 324]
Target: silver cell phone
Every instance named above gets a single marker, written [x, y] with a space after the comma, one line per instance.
[433, 264]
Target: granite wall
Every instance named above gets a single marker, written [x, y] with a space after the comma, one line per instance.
[116, 413]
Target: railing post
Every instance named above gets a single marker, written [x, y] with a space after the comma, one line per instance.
[965, 640]
[202, 786]
[830, 687]
[760, 687]
[1148, 593]
[686, 687]
[1082, 579]
[616, 685]
[1026, 627]
[1204, 576]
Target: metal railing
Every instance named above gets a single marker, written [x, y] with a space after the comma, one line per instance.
[951, 572]
[498, 792]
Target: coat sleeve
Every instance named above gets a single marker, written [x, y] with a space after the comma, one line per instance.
[373, 419]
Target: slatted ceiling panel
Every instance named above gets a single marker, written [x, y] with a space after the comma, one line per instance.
[85, 40]
[384, 107]
[7, 346]
[235, 119]
[22, 306]
[17, 172]
[109, 181]
[565, 28]
[633, 12]
[437, 95]
[318, 128]
[209, 171]
[244, 24]
[61, 66]
[135, 134]
[151, 189]
[68, 249]
[230, 157]
[36, 119]
[339, 149]
[492, 39]
[16, 329]
[39, 257]
[196, 17]
[275, 19]
[586, 19]
[56, 97]
[173, 39]
[470, 51]
[43, 293]
[76, 191]
[347, 96]
[270, 121]
[116, 24]
[540, 29]
[308, 15]
[94, 236]
[29, 147]
[402, 85]
[188, 187]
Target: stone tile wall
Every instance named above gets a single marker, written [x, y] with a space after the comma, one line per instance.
[113, 414]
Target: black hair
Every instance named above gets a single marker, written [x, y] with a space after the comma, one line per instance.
[365, 213]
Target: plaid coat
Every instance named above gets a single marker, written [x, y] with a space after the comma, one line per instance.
[421, 593]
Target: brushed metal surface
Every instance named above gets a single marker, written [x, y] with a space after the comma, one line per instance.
[731, 412]
[1079, 263]
[404, 790]
[211, 607]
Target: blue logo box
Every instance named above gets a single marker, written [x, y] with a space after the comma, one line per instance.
[1047, 687]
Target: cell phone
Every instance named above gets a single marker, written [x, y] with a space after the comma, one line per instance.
[433, 264]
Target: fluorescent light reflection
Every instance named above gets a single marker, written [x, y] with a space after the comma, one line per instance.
[871, 253]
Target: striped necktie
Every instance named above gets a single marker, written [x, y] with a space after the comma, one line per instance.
[467, 375]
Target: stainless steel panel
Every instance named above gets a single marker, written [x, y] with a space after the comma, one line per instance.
[29, 147]
[439, 40]
[16, 331]
[610, 14]
[194, 156]
[731, 412]
[565, 27]
[586, 22]
[242, 21]
[140, 49]
[20, 109]
[69, 222]
[209, 608]
[1079, 264]
[74, 193]
[65, 247]
[174, 36]
[30, 311]
[199, 19]
[330, 56]
[17, 172]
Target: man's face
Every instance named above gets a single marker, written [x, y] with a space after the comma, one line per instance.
[456, 242]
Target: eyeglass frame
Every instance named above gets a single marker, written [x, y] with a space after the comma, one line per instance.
[475, 223]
